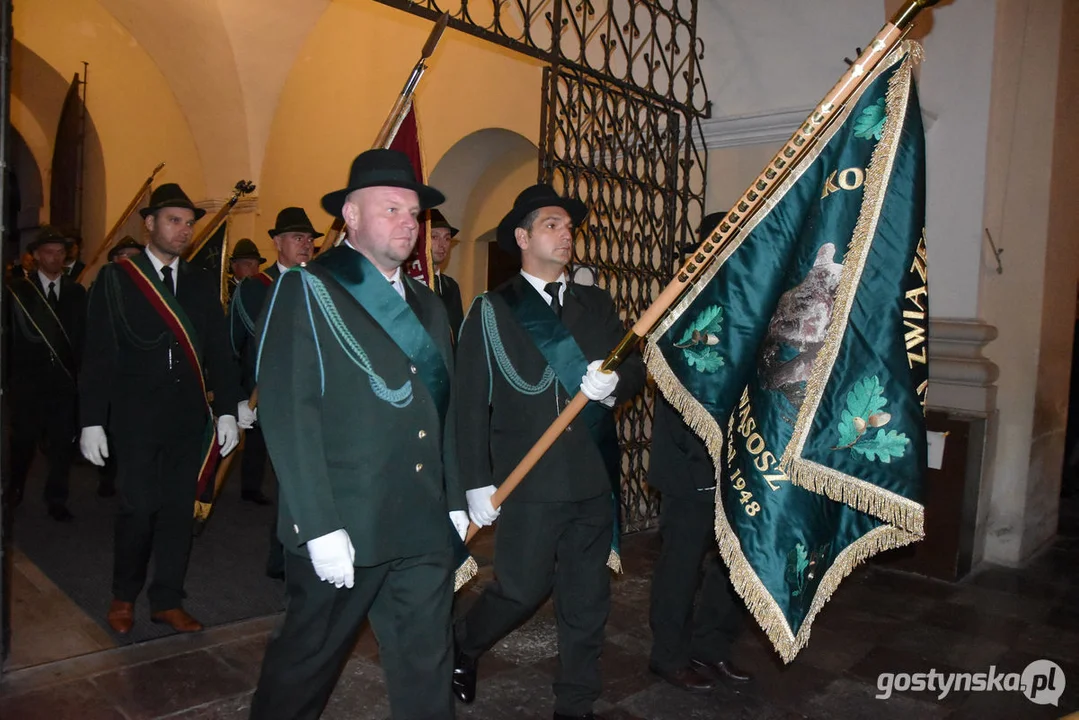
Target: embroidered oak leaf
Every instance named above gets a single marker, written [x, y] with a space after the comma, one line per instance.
[865, 412]
[870, 123]
[706, 360]
[883, 446]
[700, 336]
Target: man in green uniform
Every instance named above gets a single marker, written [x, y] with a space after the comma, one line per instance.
[293, 237]
[354, 371]
[525, 350]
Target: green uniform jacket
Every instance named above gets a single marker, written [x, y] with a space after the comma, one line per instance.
[344, 457]
[497, 424]
[244, 310]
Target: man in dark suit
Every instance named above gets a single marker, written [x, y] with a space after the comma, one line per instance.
[556, 530]
[244, 262]
[48, 312]
[156, 347]
[73, 265]
[355, 399]
[293, 237]
[442, 235]
[690, 645]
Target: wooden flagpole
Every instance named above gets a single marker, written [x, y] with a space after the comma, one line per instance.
[730, 228]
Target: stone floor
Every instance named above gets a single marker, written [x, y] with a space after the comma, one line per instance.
[879, 621]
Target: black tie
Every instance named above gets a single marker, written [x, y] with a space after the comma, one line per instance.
[166, 277]
[52, 298]
[552, 289]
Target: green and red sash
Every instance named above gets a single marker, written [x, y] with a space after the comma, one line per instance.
[146, 279]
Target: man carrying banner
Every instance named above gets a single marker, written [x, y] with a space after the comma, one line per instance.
[48, 313]
[442, 234]
[293, 237]
[525, 350]
[354, 370]
[155, 348]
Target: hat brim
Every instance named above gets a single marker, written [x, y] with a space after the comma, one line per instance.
[505, 235]
[248, 257]
[315, 235]
[429, 197]
[35, 244]
[447, 226]
[148, 211]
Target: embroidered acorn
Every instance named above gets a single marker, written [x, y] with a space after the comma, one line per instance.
[879, 419]
[859, 425]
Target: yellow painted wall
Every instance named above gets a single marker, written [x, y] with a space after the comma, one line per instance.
[135, 115]
[344, 82]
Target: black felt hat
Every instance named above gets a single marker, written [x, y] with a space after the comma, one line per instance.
[246, 250]
[534, 198]
[438, 220]
[293, 219]
[48, 234]
[381, 168]
[170, 195]
[126, 243]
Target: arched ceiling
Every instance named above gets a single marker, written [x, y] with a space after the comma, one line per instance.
[229, 82]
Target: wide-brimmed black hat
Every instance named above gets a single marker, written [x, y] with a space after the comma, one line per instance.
[48, 234]
[126, 243]
[438, 220]
[381, 168]
[708, 223]
[534, 198]
[170, 195]
[246, 249]
[293, 219]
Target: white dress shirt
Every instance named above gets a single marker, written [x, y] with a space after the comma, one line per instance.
[45, 284]
[539, 284]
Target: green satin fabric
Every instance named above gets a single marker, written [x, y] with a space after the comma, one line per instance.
[356, 274]
[791, 536]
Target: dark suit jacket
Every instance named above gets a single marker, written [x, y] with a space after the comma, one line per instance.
[345, 458]
[75, 270]
[244, 310]
[450, 292]
[134, 376]
[679, 463]
[497, 424]
[34, 368]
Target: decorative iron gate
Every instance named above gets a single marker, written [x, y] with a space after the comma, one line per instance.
[622, 102]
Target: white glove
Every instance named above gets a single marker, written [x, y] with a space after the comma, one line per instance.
[228, 434]
[246, 417]
[459, 518]
[598, 385]
[480, 509]
[93, 444]
[332, 555]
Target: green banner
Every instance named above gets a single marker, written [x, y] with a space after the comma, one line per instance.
[800, 358]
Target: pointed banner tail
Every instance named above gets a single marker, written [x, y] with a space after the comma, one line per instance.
[800, 358]
[407, 141]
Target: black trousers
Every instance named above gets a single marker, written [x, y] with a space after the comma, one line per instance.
[50, 416]
[253, 462]
[156, 482]
[408, 603]
[540, 548]
[690, 561]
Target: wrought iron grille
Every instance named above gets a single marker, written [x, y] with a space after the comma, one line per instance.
[620, 130]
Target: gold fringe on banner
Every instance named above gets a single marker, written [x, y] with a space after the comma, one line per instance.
[614, 562]
[879, 503]
[466, 572]
[860, 495]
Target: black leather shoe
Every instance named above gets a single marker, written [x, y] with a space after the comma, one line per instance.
[722, 670]
[464, 678]
[687, 678]
[60, 513]
[257, 497]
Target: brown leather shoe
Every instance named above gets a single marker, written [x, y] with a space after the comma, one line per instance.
[121, 616]
[686, 678]
[177, 619]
